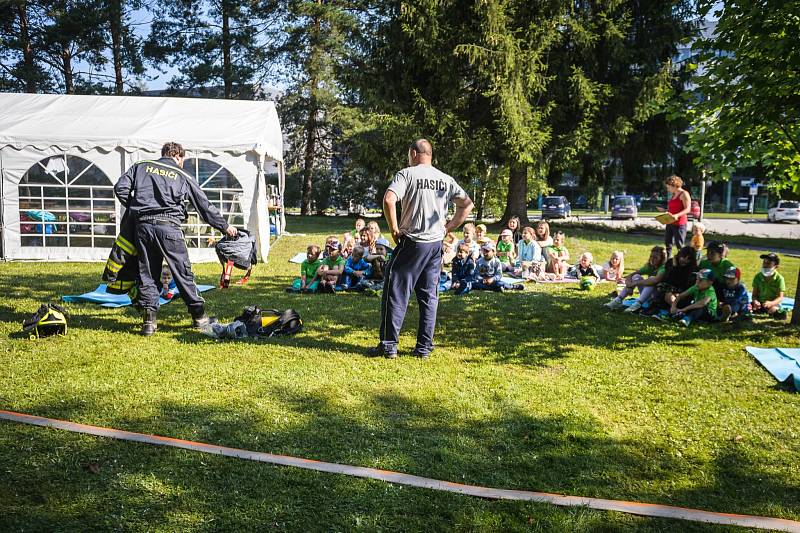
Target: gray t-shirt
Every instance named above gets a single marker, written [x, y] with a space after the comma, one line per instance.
[424, 192]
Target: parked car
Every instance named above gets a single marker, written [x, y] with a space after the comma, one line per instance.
[581, 202]
[556, 207]
[624, 207]
[743, 204]
[786, 210]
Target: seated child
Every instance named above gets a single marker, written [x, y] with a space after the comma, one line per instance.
[698, 241]
[614, 268]
[331, 268]
[329, 239]
[449, 245]
[513, 224]
[308, 280]
[463, 273]
[557, 256]
[586, 272]
[377, 261]
[680, 273]
[490, 271]
[367, 239]
[505, 251]
[735, 302]
[769, 287]
[469, 238]
[356, 232]
[481, 234]
[348, 246]
[716, 262]
[654, 269]
[530, 261]
[543, 237]
[356, 269]
[700, 300]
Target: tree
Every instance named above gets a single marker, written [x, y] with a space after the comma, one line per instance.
[317, 45]
[125, 46]
[21, 60]
[215, 42]
[746, 109]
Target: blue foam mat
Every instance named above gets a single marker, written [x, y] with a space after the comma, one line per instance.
[100, 296]
[782, 363]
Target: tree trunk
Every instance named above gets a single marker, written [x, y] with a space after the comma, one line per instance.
[227, 74]
[115, 20]
[517, 198]
[27, 49]
[311, 146]
[795, 313]
[66, 62]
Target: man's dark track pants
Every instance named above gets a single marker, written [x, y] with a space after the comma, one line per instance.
[158, 242]
[413, 266]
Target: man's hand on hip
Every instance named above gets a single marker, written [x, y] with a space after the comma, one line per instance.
[231, 232]
[397, 235]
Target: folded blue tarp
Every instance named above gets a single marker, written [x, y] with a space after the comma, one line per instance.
[783, 363]
[100, 296]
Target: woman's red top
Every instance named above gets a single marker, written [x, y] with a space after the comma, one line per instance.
[675, 205]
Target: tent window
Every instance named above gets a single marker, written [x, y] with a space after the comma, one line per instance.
[66, 201]
[223, 190]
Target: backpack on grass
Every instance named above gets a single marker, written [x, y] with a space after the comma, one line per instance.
[270, 322]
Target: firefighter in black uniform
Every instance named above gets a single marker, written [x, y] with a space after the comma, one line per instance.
[155, 192]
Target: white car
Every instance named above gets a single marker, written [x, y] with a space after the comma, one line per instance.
[785, 210]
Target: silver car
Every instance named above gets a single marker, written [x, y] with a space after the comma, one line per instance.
[624, 207]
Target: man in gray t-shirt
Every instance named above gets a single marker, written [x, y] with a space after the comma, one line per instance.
[424, 193]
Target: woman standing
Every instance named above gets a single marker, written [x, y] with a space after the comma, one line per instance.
[680, 203]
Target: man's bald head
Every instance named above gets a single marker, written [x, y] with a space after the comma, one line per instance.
[420, 152]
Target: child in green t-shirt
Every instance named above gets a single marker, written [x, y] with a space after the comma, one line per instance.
[308, 280]
[702, 300]
[654, 270]
[557, 256]
[717, 263]
[505, 251]
[331, 268]
[769, 287]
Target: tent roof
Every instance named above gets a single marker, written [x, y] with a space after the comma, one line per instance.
[139, 122]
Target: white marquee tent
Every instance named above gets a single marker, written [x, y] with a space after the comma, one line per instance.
[60, 156]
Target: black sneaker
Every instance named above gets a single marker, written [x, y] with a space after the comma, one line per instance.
[378, 351]
[518, 287]
[421, 355]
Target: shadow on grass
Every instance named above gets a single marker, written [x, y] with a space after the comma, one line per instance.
[56, 480]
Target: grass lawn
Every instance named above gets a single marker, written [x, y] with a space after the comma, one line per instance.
[540, 390]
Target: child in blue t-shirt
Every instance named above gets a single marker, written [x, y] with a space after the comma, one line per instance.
[356, 269]
[490, 271]
[734, 301]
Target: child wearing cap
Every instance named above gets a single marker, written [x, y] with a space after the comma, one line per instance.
[331, 268]
[557, 256]
[463, 273]
[654, 270]
[734, 302]
[769, 287]
[490, 271]
[702, 300]
[308, 282]
[505, 251]
[716, 262]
